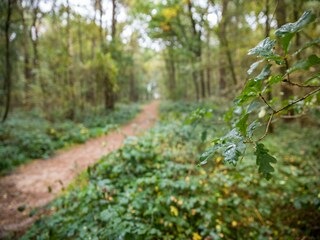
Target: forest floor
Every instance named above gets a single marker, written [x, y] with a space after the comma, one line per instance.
[35, 184]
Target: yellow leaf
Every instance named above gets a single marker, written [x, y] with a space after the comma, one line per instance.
[196, 236]
[174, 211]
[169, 13]
[234, 223]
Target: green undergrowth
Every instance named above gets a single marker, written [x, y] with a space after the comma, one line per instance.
[152, 188]
[28, 136]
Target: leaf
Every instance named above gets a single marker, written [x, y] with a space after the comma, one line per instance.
[208, 153]
[314, 79]
[264, 160]
[287, 31]
[264, 73]
[264, 48]
[250, 91]
[275, 79]
[305, 64]
[234, 146]
[204, 135]
[253, 106]
[108, 215]
[307, 45]
[242, 125]
[232, 153]
[253, 126]
[254, 66]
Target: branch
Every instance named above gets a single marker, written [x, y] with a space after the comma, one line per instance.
[265, 101]
[267, 128]
[298, 100]
[300, 85]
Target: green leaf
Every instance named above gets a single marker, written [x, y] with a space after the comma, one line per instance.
[264, 160]
[242, 125]
[250, 91]
[305, 64]
[264, 48]
[253, 126]
[254, 66]
[264, 73]
[307, 45]
[204, 135]
[253, 106]
[287, 31]
[208, 153]
[275, 79]
[314, 79]
[233, 146]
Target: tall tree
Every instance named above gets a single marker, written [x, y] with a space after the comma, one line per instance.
[7, 82]
[281, 17]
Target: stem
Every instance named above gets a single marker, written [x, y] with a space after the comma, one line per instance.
[267, 128]
[300, 85]
[266, 102]
[298, 100]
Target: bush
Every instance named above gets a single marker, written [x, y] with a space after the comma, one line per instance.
[29, 136]
[151, 188]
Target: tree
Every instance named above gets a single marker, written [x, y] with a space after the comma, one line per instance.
[7, 82]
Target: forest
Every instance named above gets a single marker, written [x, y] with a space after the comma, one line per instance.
[159, 119]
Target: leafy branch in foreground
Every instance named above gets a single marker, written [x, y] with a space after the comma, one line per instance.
[252, 109]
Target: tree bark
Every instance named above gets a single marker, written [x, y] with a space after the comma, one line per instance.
[69, 75]
[114, 20]
[26, 58]
[7, 85]
[281, 16]
[224, 43]
[171, 69]
[198, 74]
[267, 34]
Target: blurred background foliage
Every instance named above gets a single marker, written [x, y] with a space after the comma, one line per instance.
[151, 189]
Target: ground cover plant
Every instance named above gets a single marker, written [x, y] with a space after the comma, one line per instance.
[152, 189]
[28, 136]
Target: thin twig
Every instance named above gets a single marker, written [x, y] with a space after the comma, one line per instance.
[287, 67]
[292, 116]
[265, 101]
[300, 85]
[274, 12]
[267, 128]
[298, 100]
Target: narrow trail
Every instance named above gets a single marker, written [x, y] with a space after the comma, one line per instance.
[28, 186]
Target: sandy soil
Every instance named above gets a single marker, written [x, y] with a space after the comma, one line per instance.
[28, 186]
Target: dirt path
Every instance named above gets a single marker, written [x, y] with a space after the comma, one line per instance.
[29, 185]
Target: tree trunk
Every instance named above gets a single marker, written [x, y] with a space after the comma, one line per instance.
[196, 49]
[109, 92]
[171, 69]
[69, 75]
[267, 34]
[224, 43]
[101, 27]
[114, 20]
[26, 58]
[133, 92]
[281, 20]
[80, 40]
[7, 85]
[208, 65]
